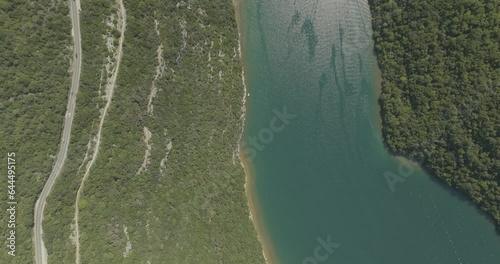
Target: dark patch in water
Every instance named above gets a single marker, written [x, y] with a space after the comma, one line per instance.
[295, 18]
[360, 61]
[322, 82]
[295, 21]
[333, 58]
[312, 40]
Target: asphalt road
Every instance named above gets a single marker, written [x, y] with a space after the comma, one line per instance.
[68, 121]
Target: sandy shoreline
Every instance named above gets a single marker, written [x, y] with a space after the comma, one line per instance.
[269, 256]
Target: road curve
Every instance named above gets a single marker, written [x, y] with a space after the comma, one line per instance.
[40, 257]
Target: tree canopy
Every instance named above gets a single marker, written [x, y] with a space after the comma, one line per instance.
[440, 100]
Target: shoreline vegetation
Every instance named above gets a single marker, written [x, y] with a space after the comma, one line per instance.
[269, 255]
[378, 92]
[439, 102]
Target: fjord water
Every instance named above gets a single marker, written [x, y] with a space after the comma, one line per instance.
[320, 177]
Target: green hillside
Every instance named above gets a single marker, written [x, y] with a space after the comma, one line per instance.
[167, 185]
[440, 100]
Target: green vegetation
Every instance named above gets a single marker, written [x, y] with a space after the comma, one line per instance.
[59, 212]
[191, 209]
[440, 100]
[35, 52]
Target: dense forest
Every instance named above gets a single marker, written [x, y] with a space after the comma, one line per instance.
[35, 57]
[167, 185]
[440, 99]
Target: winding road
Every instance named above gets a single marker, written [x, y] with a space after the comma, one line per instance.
[40, 254]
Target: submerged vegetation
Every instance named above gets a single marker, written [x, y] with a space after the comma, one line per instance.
[440, 100]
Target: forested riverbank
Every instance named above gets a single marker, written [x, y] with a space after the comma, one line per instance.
[440, 63]
[167, 183]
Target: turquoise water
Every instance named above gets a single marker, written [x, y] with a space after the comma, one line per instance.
[320, 168]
